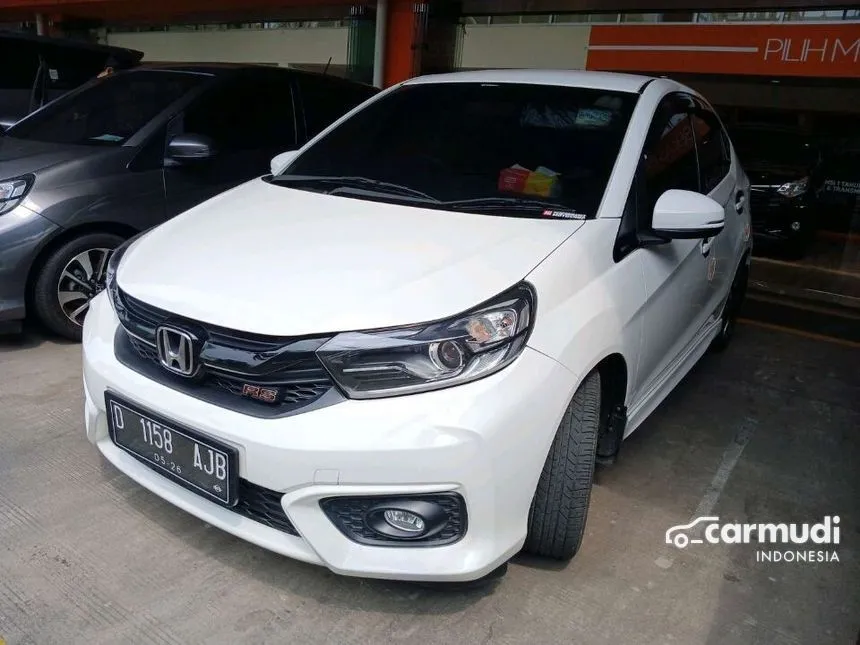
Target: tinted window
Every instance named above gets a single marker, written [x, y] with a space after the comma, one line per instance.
[326, 99]
[670, 151]
[108, 112]
[461, 141]
[20, 62]
[253, 112]
[714, 156]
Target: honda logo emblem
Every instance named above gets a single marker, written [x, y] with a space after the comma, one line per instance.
[176, 351]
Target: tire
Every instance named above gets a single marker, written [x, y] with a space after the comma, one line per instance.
[559, 510]
[728, 320]
[55, 298]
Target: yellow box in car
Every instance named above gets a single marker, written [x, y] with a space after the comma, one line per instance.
[543, 185]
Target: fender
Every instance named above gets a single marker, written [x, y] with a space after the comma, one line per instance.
[578, 323]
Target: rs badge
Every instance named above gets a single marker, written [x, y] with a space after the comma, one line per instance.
[265, 394]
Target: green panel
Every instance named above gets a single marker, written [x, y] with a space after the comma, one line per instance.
[362, 40]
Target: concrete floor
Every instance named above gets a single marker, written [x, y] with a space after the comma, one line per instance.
[768, 431]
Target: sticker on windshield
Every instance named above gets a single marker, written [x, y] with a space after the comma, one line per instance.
[593, 118]
[563, 214]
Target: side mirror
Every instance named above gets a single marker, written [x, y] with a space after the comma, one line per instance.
[191, 147]
[685, 215]
[282, 160]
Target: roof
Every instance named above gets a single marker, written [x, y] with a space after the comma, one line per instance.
[122, 55]
[208, 68]
[216, 69]
[611, 81]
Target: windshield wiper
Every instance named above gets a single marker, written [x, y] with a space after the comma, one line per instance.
[376, 184]
[513, 204]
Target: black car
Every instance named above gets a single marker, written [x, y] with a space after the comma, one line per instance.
[124, 153]
[801, 184]
[34, 70]
[779, 163]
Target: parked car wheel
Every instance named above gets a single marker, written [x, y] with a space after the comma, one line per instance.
[560, 506]
[731, 310]
[70, 278]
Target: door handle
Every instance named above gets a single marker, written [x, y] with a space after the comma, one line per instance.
[706, 246]
[740, 202]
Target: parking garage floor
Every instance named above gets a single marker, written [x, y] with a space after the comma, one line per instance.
[767, 432]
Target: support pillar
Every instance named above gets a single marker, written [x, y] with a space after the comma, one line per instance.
[400, 58]
[379, 43]
[422, 38]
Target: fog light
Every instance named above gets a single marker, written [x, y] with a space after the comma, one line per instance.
[795, 226]
[399, 520]
[404, 520]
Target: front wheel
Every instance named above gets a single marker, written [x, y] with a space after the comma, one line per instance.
[560, 506]
[70, 278]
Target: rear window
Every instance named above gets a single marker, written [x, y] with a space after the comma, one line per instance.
[326, 99]
[108, 112]
[473, 141]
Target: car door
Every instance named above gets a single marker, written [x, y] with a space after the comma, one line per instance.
[719, 180]
[250, 117]
[675, 273]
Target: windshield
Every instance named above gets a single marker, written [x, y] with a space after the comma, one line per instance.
[108, 112]
[474, 146]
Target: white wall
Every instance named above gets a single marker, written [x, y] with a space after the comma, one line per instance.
[279, 46]
[556, 46]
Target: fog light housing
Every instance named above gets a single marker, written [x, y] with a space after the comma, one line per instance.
[433, 519]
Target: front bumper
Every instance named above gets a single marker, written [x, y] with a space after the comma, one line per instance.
[22, 235]
[779, 220]
[486, 441]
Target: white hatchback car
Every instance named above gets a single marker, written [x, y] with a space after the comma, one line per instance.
[401, 354]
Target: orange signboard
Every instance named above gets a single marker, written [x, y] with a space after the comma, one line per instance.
[829, 50]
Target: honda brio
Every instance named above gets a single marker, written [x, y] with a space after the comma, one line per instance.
[401, 354]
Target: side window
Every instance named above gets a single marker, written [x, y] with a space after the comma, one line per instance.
[247, 113]
[326, 100]
[714, 156]
[670, 151]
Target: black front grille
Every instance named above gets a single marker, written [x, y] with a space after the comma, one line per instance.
[349, 515]
[264, 506]
[762, 203]
[263, 376]
[144, 350]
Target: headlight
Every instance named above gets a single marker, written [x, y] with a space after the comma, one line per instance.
[13, 191]
[110, 272]
[794, 188]
[419, 358]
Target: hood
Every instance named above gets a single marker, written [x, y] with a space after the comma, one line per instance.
[277, 261]
[20, 156]
[773, 174]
